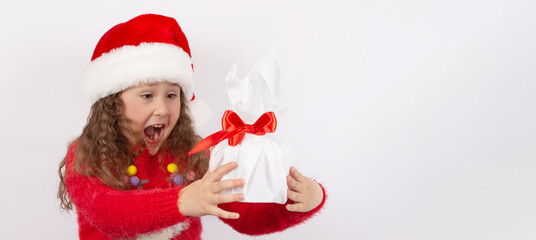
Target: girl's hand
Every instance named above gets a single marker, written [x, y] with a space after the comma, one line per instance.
[201, 197]
[305, 192]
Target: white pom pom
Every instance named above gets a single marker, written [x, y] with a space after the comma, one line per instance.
[200, 113]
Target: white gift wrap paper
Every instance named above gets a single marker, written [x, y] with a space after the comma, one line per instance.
[262, 162]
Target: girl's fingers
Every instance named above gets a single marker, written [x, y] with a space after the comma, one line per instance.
[206, 174]
[229, 183]
[227, 198]
[294, 196]
[218, 212]
[292, 183]
[296, 207]
[220, 171]
[296, 175]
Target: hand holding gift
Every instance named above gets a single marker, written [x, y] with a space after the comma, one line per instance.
[305, 192]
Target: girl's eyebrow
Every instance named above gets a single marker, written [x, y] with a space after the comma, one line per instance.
[145, 85]
[173, 84]
[148, 84]
[174, 87]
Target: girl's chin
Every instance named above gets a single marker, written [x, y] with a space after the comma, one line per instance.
[153, 150]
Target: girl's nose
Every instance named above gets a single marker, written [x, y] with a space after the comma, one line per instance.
[161, 109]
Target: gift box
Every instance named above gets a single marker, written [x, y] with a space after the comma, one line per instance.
[244, 137]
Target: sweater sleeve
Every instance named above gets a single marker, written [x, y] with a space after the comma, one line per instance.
[119, 213]
[264, 218]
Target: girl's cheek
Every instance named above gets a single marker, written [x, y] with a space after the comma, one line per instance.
[135, 113]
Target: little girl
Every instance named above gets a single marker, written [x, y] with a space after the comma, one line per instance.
[129, 175]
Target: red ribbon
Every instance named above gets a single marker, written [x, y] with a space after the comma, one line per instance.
[235, 129]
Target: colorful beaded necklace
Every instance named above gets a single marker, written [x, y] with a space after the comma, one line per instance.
[172, 168]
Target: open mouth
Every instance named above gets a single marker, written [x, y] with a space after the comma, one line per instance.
[153, 133]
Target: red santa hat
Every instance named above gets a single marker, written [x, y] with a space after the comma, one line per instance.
[147, 48]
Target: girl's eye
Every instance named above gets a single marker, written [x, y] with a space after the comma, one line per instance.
[172, 95]
[147, 95]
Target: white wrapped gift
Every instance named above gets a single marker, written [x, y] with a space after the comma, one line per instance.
[262, 162]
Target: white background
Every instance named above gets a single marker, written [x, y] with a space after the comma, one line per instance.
[418, 116]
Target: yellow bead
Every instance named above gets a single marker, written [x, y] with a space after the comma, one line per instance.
[172, 167]
[132, 170]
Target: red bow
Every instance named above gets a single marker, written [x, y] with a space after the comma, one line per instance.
[235, 129]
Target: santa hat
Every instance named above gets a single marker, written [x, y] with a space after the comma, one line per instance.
[147, 48]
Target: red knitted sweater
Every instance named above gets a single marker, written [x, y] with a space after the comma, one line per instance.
[152, 212]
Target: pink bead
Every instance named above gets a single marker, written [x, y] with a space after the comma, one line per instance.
[190, 176]
[125, 179]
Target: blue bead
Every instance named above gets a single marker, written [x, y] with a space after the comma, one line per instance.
[134, 181]
[178, 180]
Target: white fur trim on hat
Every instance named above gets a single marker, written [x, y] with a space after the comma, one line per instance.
[130, 65]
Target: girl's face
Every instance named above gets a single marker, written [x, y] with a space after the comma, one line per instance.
[153, 110]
